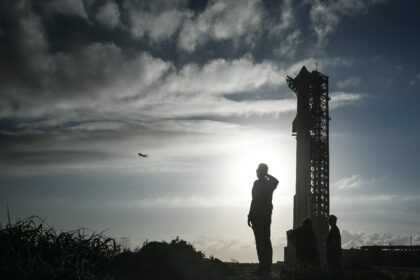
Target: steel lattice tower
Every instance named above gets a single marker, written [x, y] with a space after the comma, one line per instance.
[311, 128]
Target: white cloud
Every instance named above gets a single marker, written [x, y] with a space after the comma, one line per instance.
[68, 7]
[326, 15]
[348, 82]
[289, 46]
[192, 202]
[358, 239]
[217, 107]
[99, 88]
[107, 78]
[222, 76]
[325, 65]
[220, 21]
[160, 26]
[108, 14]
[286, 34]
[242, 250]
[99, 126]
[152, 90]
[194, 126]
[234, 249]
[196, 201]
[286, 17]
[379, 200]
[30, 35]
[340, 98]
[414, 80]
[354, 181]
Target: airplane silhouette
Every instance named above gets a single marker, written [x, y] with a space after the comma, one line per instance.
[142, 155]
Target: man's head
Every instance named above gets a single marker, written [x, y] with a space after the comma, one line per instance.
[307, 223]
[262, 170]
[332, 220]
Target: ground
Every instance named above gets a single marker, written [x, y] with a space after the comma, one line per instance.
[244, 271]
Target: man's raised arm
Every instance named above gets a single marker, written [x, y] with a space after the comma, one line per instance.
[273, 181]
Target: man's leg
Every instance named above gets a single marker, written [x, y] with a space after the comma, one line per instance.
[334, 265]
[267, 248]
[257, 227]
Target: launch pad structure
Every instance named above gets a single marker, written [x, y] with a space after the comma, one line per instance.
[311, 128]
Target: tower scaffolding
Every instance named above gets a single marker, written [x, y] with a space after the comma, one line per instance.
[311, 128]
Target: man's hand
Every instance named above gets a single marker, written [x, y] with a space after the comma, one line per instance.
[249, 222]
[272, 180]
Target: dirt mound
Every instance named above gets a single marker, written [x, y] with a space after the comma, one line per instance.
[161, 261]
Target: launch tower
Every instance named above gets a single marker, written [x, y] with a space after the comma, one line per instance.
[311, 127]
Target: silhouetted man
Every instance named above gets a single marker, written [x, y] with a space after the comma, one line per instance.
[259, 217]
[333, 246]
[305, 242]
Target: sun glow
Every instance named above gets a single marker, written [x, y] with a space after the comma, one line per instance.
[276, 152]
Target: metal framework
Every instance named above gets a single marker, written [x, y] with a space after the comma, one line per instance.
[319, 151]
[313, 122]
[311, 128]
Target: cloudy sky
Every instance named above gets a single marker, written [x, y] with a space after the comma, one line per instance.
[200, 87]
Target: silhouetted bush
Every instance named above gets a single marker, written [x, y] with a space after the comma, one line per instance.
[29, 249]
[161, 260]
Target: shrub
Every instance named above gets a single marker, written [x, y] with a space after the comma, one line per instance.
[177, 260]
[30, 249]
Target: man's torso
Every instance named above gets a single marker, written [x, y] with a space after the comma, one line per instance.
[262, 196]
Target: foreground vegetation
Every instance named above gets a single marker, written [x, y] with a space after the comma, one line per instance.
[30, 249]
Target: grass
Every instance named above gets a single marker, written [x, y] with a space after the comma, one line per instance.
[30, 249]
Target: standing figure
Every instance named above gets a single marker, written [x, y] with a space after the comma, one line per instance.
[259, 217]
[333, 246]
[305, 242]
